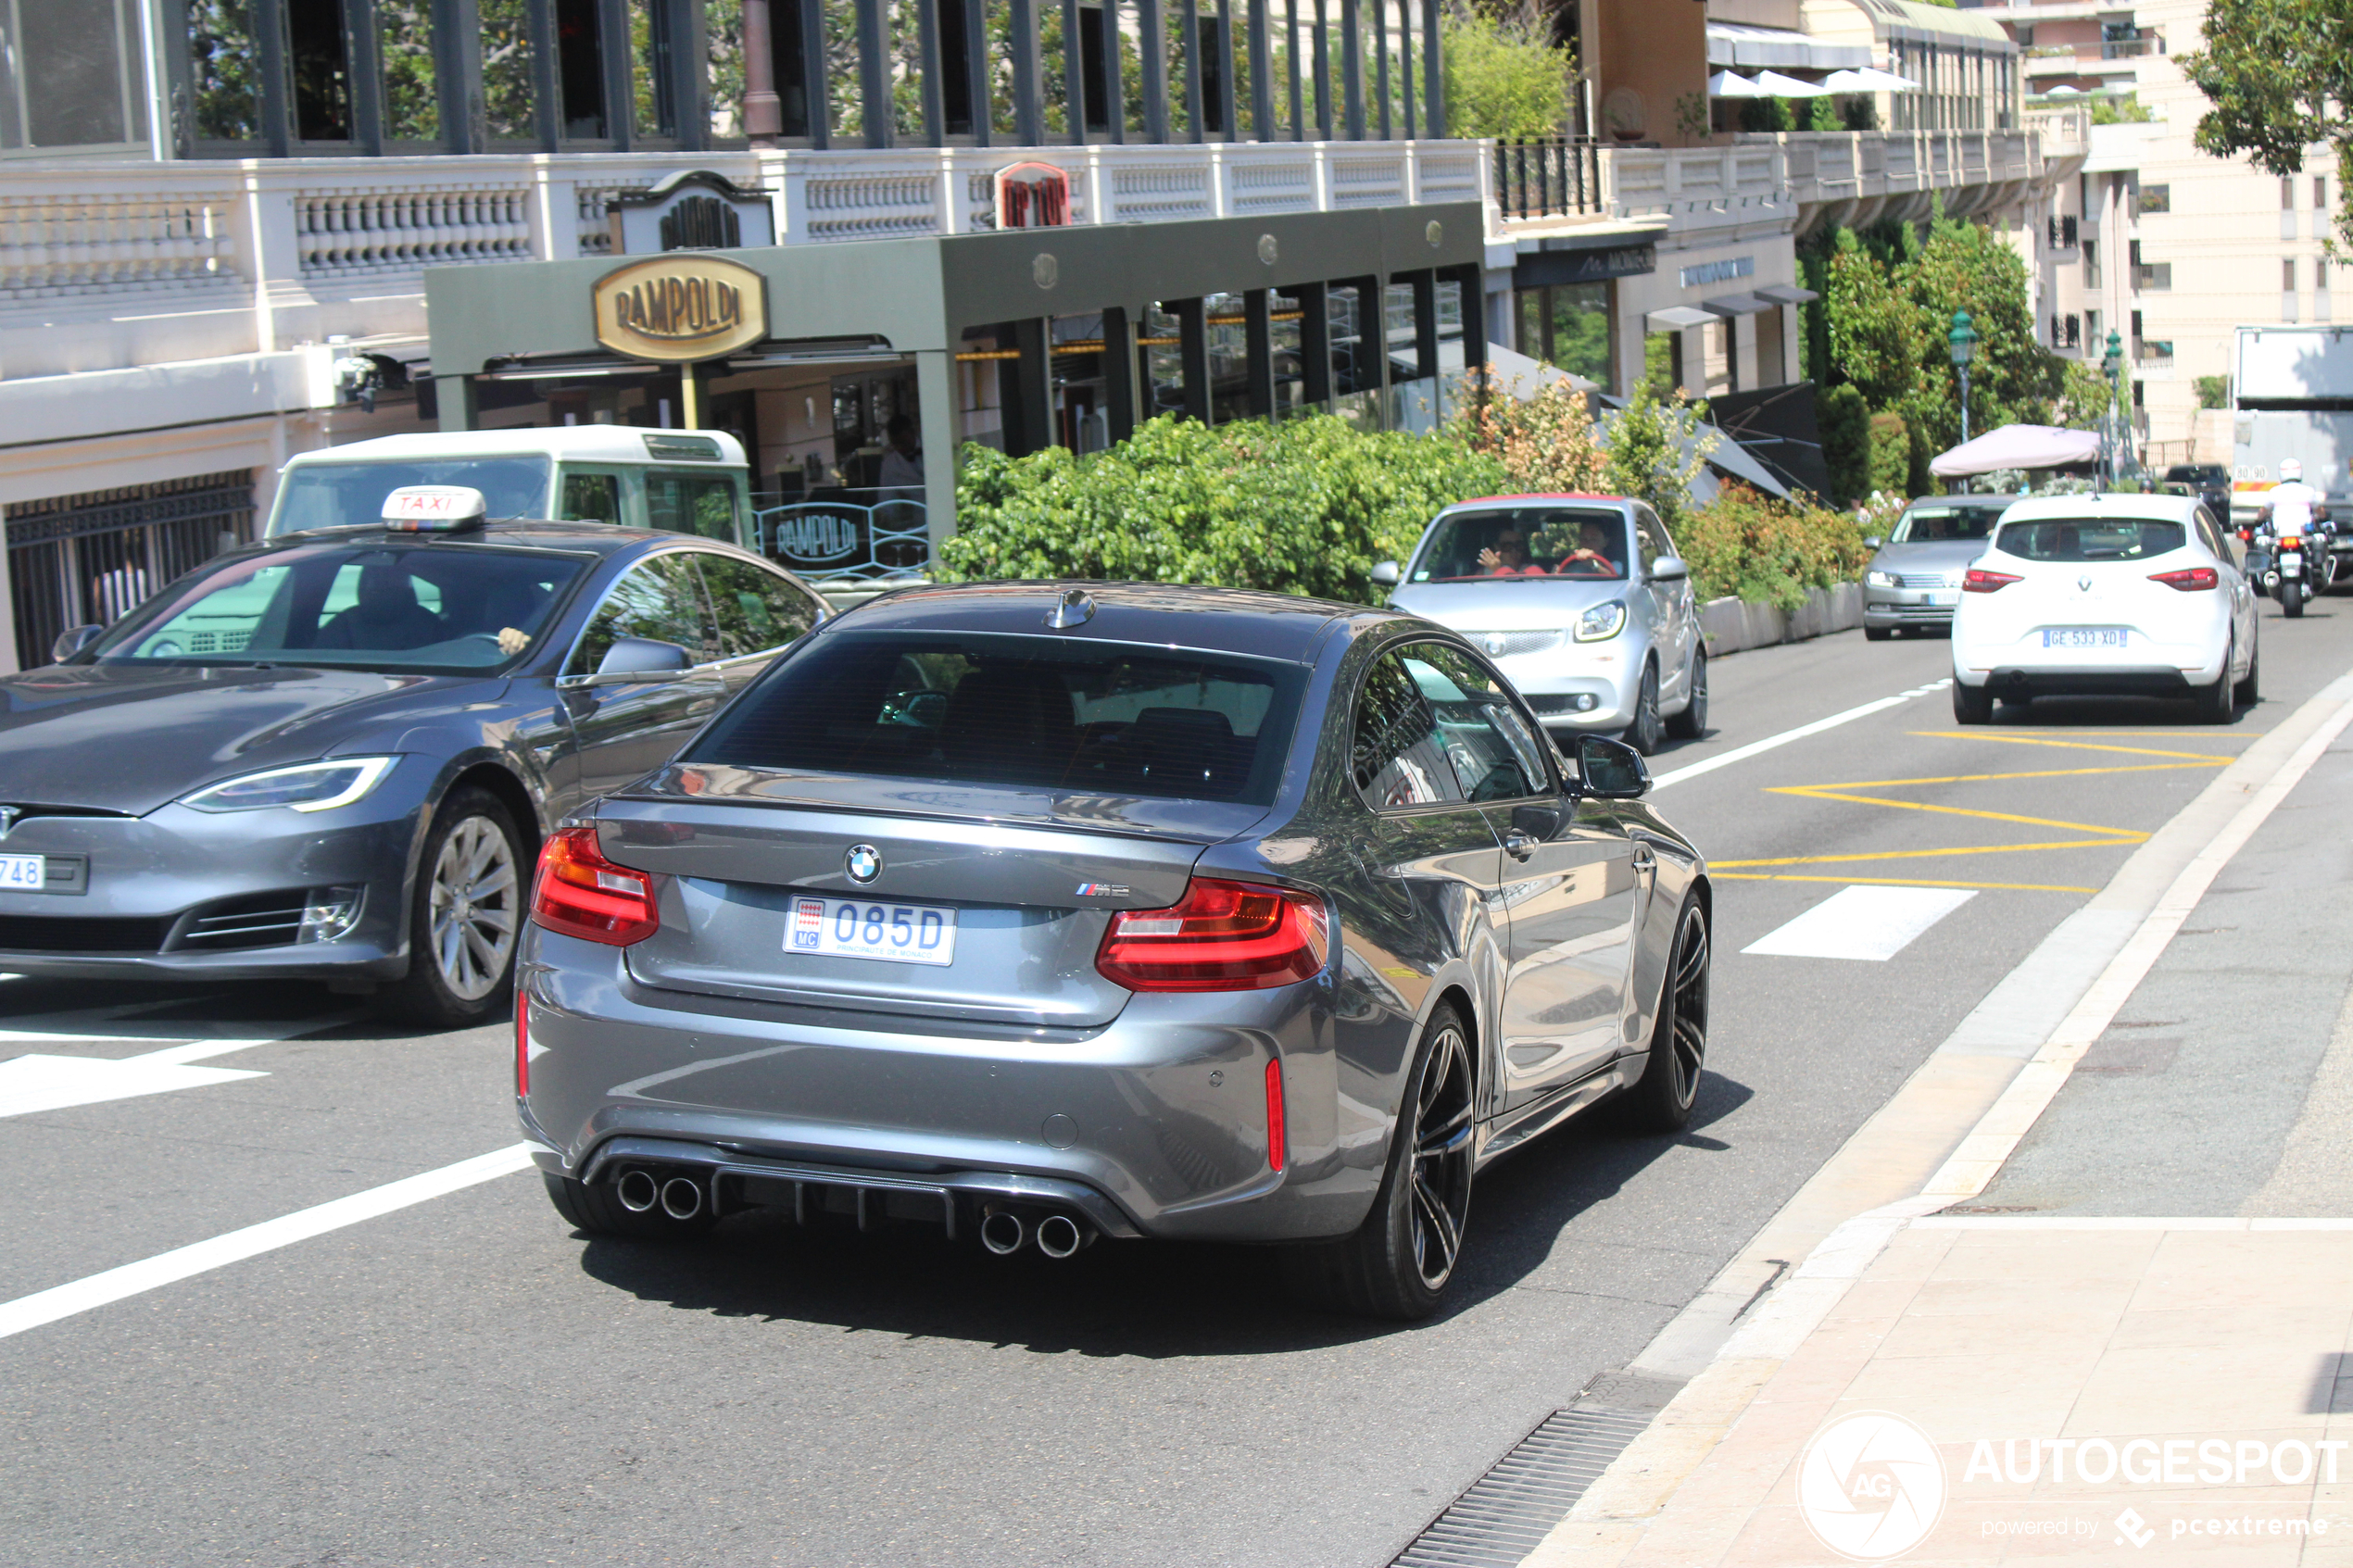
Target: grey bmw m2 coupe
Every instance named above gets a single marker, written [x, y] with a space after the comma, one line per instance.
[1045, 912]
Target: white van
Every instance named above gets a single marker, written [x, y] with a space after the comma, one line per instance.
[679, 480]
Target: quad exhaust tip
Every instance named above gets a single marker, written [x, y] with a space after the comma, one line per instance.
[1002, 1233]
[681, 1197]
[1058, 1236]
[638, 1191]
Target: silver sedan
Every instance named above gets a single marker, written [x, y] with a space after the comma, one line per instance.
[1581, 600]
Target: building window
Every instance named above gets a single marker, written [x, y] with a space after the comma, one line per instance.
[2157, 198]
[2287, 192]
[2287, 275]
[70, 75]
[412, 97]
[321, 73]
[654, 108]
[1568, 325]
[225, 68]
[2320, 192]
[508, 102]
[2074, 331]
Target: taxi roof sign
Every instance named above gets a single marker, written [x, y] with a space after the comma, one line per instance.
[434, 509]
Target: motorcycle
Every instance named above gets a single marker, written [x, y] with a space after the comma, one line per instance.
[2291, 568]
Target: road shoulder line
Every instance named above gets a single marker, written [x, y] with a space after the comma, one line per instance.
[1932, 1143]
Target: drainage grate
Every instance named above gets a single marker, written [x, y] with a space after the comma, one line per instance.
[1511, 1508]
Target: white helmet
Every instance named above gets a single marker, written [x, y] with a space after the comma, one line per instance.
[2291, 470]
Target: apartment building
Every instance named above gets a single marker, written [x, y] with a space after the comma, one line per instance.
[2152, 240]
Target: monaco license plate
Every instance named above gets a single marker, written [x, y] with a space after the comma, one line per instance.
[2291, 559]
[2083, 637]
[24, 873]
[853, 928]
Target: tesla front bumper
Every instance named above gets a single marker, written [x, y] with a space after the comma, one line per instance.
[1154, 1123]
[245, 895]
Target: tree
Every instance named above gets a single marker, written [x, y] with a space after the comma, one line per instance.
[1657, 448]
[1845, 424]
[1878, 338]
[1504, 76]
[2279, 76]
[2013, 379]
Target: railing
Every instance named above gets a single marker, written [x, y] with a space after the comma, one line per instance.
[2130, 48]
[1553, 174]
[271, 252]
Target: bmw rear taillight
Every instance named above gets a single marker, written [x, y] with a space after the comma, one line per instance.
[1220, 936]
[1979, 581]
[2189, 579]
[582, 893]
[1276, 1135]
[523, 1042]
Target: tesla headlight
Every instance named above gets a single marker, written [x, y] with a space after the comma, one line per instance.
[1602, 621]
[310, 786]
[1879, 579]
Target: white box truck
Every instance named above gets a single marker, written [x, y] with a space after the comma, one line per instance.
[2292, 396]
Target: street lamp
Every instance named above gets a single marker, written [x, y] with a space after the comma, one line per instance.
[2113, 363]
[1964, 340]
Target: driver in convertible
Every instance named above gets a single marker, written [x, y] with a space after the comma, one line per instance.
[1508, 556]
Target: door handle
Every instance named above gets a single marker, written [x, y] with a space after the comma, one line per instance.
[1518, 846]
[1644, 858]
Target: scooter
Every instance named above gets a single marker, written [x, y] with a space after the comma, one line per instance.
[2291, 568]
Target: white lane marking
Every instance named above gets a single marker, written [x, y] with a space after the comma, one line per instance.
[30, 1084]
[1759, 748]
[165, 1268]
[1871, 923]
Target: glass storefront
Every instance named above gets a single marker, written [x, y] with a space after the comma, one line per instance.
[1568, 325]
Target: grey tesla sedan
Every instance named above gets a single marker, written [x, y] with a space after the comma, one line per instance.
[1042, 913]
[335, 756]
[1915, 577]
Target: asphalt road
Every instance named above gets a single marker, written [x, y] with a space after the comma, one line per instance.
[466, 1380]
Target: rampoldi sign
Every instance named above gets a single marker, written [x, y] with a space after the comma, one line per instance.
[680, 307]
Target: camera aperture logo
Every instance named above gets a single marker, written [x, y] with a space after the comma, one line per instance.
[1871, 1486]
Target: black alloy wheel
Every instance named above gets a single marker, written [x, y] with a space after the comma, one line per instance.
[1691, 723]
[1398, 1262]
[1644, 730]
[1661, 1100]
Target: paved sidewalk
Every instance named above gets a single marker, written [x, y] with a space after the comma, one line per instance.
[2161, 1354]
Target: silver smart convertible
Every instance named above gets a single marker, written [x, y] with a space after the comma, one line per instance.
[1044, 913]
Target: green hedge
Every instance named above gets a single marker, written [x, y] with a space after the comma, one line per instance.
[1753, 546]
[1307, 506]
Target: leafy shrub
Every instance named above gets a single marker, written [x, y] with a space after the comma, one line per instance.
[1504, 76]
[1546, 444]
[1768, 551]
[2213, 392]
[1845, 423]
[1657, 447]
[1891, 454]
[1307, 506]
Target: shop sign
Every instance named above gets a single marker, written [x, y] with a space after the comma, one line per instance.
[681, 308]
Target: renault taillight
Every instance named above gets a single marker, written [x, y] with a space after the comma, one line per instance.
[582, 893]
[2189, 579]
[1979, 581]
[1220, 936]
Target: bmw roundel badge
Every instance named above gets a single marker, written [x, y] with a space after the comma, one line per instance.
[864, 862]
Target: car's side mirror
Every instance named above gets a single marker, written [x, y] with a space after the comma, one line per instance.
[1669, 568]
[1873, 542]
[1386, 576]
[1611, 769]
[1539, 822]
[644, 656]
[72, 640]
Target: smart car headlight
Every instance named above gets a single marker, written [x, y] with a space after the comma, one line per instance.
[1602, 623]
[308, 786]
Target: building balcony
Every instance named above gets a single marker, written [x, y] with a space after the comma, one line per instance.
[108, 268]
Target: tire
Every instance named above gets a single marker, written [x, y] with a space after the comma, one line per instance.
[1691, 723]
[597, 1211]
[2292, 600]
[2249, 692]
[2213, 702]
[1660, 1101]
[1398, 1262]
[465, 917]
[1644, 731]
[1972, 705]
[1879, 633]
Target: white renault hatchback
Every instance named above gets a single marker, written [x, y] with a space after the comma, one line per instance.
[2100, 594]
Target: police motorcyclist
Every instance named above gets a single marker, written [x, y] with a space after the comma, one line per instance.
[2290, 507]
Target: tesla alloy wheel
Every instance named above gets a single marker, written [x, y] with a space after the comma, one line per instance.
[1661, 1100]
[468, 915]
[1399, 1262]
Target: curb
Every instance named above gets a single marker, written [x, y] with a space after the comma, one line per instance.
[1730, 625]
[2100, 954]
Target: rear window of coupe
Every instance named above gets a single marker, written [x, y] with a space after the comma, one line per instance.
[2089, 538]
[1029, 713]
